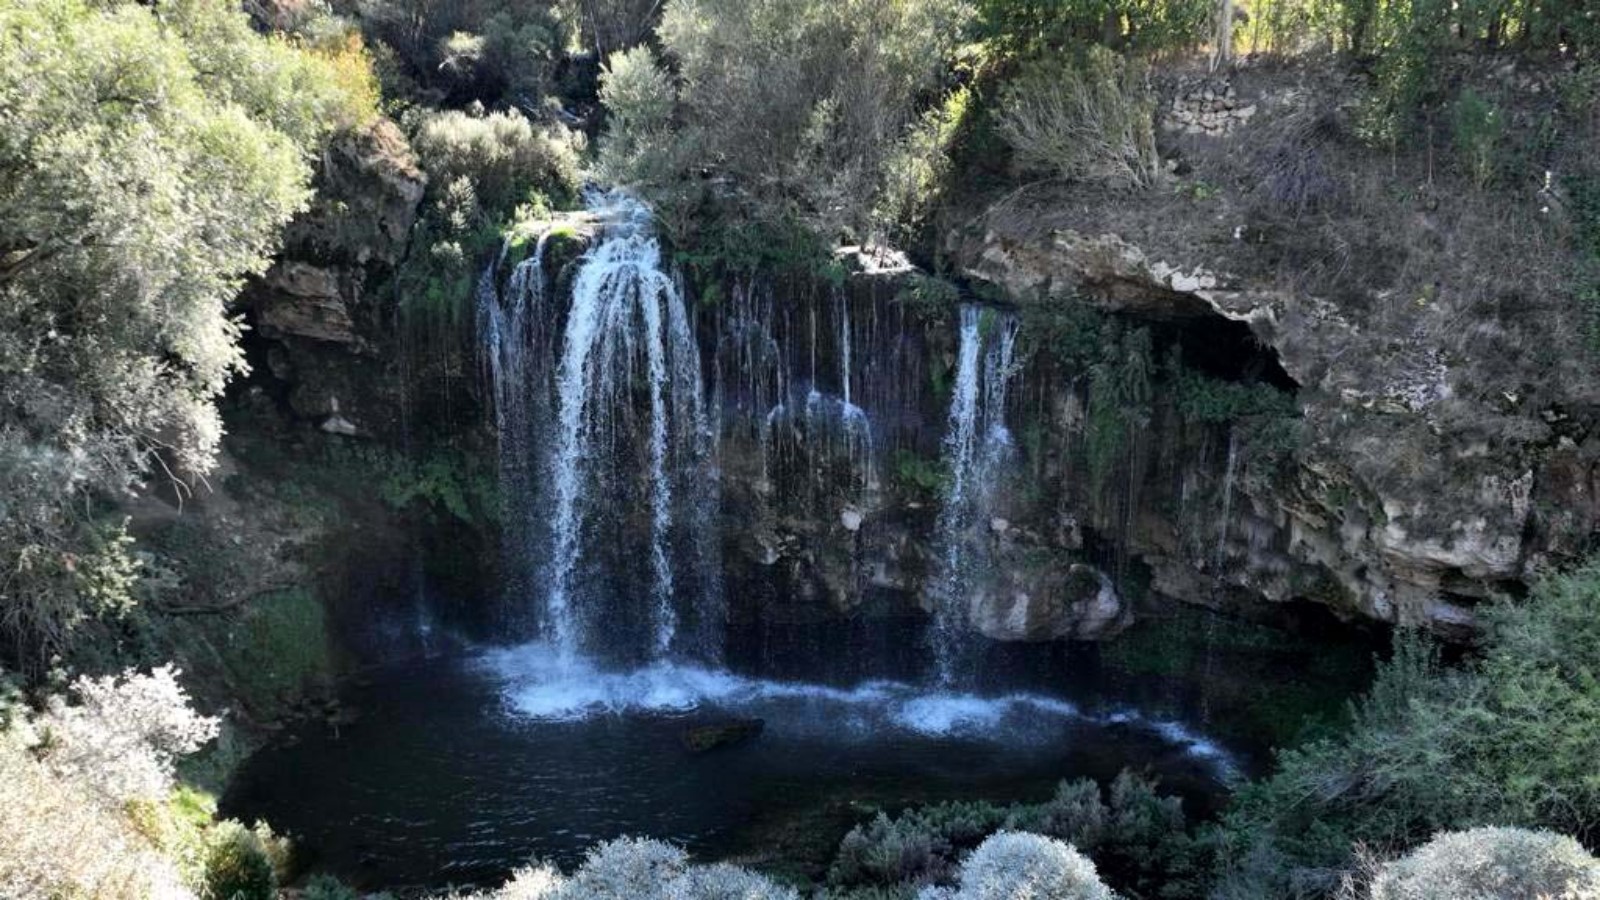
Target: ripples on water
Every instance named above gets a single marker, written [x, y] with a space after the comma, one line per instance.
[458, 770]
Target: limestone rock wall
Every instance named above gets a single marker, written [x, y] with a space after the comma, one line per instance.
[327, 320]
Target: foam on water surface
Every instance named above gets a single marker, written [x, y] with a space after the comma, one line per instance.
[541, 685]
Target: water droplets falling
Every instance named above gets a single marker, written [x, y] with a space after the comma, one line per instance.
[977, 446]
[625, 412]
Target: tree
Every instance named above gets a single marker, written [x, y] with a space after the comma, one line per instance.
[149, 156]
[799, 102]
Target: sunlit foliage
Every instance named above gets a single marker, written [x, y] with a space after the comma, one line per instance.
[148, 158]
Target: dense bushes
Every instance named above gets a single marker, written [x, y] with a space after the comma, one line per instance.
[239, 864]
[148, 164]
[1040, 27]
[89, 807]
[1491, 864]
[639, 869]
[57, 839]
[484, 171]
[123, 735]
[1013, 865]
[797, 102]
[1092, 120]
[1507, 740]
[638, 95]
[1139, 838]
[504, 157]
[492, 51]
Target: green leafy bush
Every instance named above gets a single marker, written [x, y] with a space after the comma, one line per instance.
[503, 156]
[800, 102]
[919, 169]
[1042, 27]
[638, 95]
[1088, 119]
[495, 52]
[1131, 831]
[1478, 129]
[326, 887]
[151, 157]
[242, 863]
[1508, 738]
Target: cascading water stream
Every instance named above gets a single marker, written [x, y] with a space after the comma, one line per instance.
[977, 447]
[627, 353]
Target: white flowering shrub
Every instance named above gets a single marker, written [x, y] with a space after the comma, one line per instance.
[1014, 865]
[1491, 864]
[124, 734]
[638, 869]
[59, 841]
[538, 882]
[725, 882]
[626, 869]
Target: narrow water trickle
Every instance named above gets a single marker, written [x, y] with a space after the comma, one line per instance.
[1228, 475]
[977, 447]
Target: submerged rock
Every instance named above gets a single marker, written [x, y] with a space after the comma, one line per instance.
[704, 738]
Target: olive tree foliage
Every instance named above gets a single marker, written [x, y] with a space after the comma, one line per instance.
[796, 103]
[149, 155]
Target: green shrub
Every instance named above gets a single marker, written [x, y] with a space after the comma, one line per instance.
[242, 863]
[1491, 864]
[327, 887]
[638, 96]
[1508, 738]
[1478, 129]
[919, 169]
[152, 158]
[1088, 119]
[800, 102]
[1035, 28]
[503, 156]
[1131, 831]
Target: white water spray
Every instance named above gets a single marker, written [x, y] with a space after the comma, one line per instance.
[977, 447]
[625, 357]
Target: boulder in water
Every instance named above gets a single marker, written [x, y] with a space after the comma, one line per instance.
[710, 736]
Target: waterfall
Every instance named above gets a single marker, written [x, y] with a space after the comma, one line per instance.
[820, 446]
[1227, 500]
[512, 331]
[976, 448]
[624, 423]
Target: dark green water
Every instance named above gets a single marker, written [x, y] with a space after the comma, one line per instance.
[460, 768]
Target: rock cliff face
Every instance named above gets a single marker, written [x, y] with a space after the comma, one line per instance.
[1411, 495]
[326, 321]
[835, 427]
[1230, 425]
